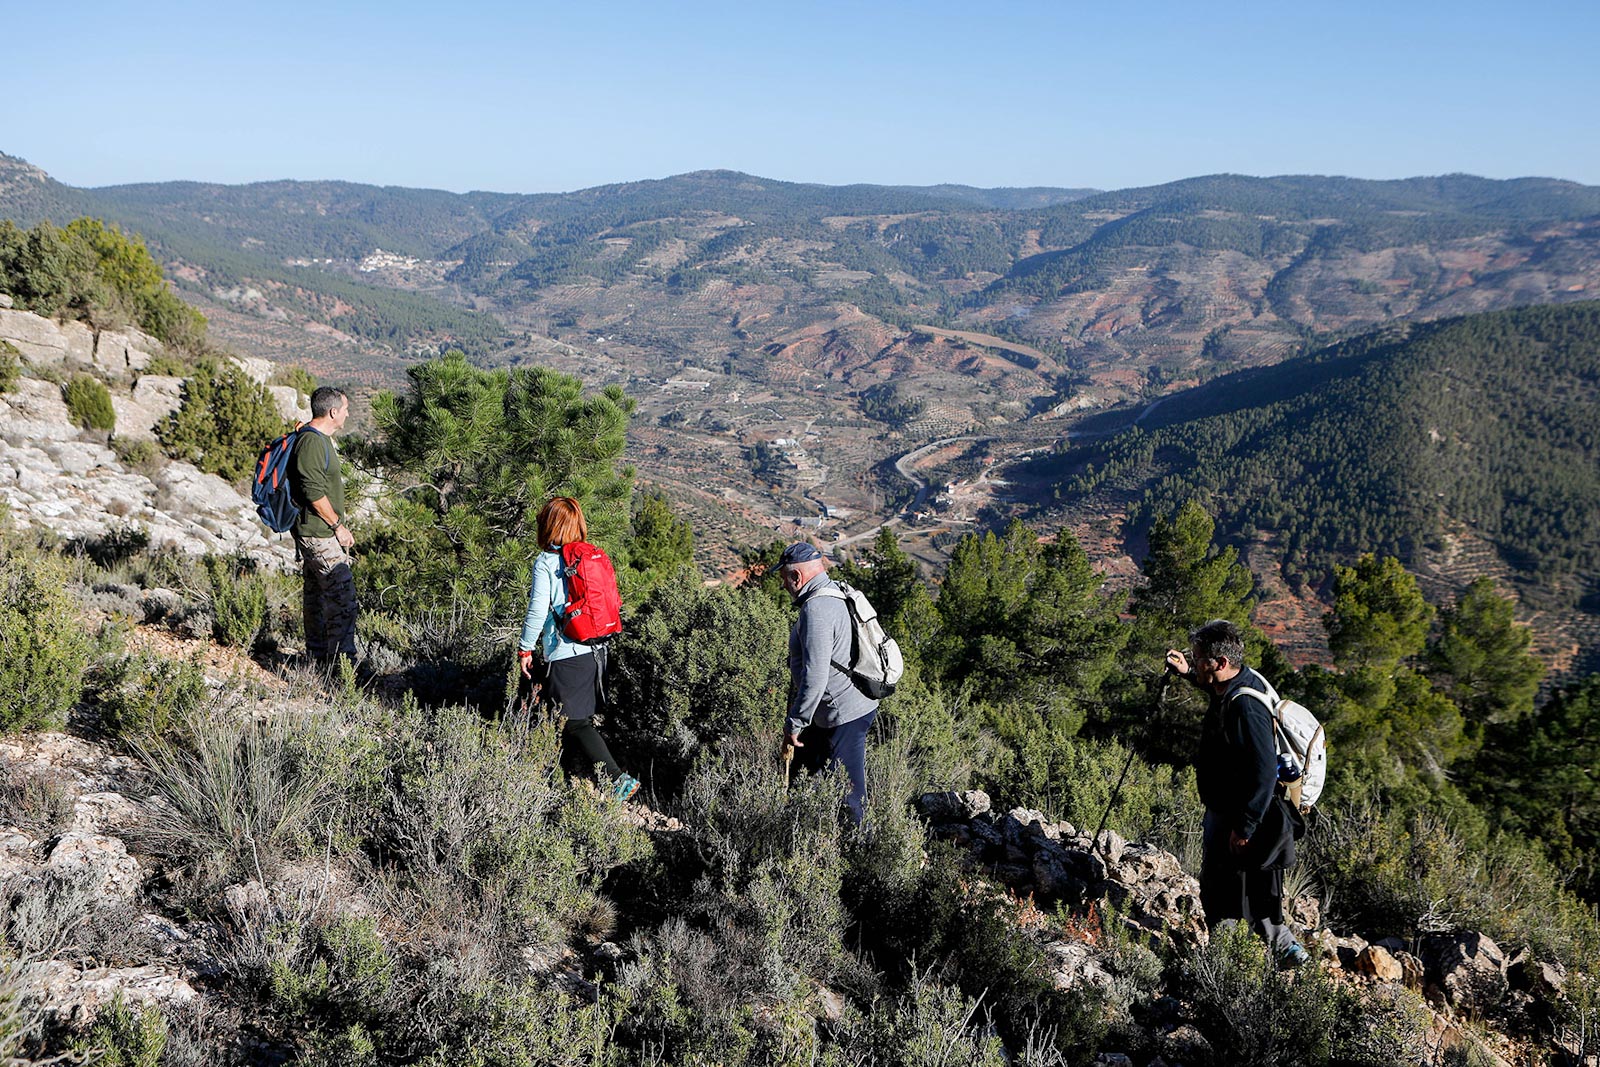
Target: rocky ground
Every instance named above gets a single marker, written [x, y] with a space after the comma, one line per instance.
[72, 482]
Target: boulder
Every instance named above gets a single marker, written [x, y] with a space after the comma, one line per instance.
[1468, 969]
[97, 861]
[1377, 963]
[287, 397]
[952, 806]
[34, 411]
[16, 852]
[1111, 845]
[155, 396]
[258, 370]
[72, 996]
[1073, 964]
[100, 812]
[46, 342]
[121, 351]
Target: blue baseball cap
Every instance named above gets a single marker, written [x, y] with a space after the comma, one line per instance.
[799, 552]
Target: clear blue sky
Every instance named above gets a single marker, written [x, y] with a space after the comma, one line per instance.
[531, 97]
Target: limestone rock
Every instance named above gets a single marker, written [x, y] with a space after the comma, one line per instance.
[154, 397]
[70, 995]
[1073, 964]
[1378, 964]
[102, 812]
[16, 852]
[287, 397]
[949, 807]
[121, 351]
[97, 861]
[258, 370]
[34, 411]
[44, 341]
[1468, 968]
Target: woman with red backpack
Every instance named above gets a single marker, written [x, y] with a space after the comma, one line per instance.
[573, 608]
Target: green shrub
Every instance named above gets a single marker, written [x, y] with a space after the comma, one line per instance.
[138, 454]
[10, 366]
[238, 600]
[43, 647]
[304, 382]
[122, 1037]
[485, 836]
[694, 666]
[931, 1025]
[1404, 873]
[89, 403]
[224, 422]
[1252, 1015]
[141, 696]
[117, 545]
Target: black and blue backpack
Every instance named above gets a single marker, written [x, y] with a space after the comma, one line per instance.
[270, 494]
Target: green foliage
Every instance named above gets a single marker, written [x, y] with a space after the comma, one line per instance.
[1402, 873]
[138, 454]
[1536, 778]
[1254, 1017]
[238, 600]
[141, 697]
[478, 453]
[695, 666]
[1390, 726]
[43, 647]
[340, 973]
[225, 420]
[886, 574]
[1026, 621]
[1358, 448]
[122, 1037]
[661, 543]
[485, 833]
[301, 379]
[89, 403]
[10, 366]
[96, 272]
[1481, 657]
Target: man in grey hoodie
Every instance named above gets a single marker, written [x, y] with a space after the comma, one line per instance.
[828, 716]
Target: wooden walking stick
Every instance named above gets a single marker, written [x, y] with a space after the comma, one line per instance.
[788, 763]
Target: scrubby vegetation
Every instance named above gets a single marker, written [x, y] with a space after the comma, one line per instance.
[392, 874]
[89, 403]
[225, 420]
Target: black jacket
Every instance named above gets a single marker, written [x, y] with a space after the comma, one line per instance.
[1237, 767]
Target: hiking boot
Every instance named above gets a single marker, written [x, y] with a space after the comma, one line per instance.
[627, 785]
[1294, 956]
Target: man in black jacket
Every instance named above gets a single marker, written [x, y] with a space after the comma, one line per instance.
[1248, 837]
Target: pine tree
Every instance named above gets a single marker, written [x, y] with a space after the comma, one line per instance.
[1481, 658]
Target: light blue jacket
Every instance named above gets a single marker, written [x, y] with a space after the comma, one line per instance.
[542, 626]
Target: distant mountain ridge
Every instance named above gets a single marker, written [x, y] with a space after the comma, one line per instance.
[1410, 441]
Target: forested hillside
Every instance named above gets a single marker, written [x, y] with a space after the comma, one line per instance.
[1385, 443]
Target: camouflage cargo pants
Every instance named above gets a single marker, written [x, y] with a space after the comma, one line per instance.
[329, 598]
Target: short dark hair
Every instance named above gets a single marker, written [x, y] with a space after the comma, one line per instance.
[324, 399]
[1218, 639]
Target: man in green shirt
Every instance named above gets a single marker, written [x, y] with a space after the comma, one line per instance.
[316, 484]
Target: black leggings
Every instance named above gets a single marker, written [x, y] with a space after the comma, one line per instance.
[580, 734]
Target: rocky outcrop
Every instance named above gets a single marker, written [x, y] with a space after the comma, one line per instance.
[1056, 863]
[154, 397]
[48, 343]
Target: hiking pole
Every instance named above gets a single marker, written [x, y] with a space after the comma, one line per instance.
[1111, 802]
[788, 763]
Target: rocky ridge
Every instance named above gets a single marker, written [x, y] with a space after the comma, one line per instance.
[56, 476]
[1462, 975]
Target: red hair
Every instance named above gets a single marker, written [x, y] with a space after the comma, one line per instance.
[561, 522]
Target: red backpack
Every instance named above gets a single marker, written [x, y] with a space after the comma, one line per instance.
[593, 612]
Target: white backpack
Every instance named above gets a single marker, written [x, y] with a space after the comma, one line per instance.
[1301, 737]
[875, 661]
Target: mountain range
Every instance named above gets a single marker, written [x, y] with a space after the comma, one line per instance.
[786, 342]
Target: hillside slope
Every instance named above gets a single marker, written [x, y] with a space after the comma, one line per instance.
[1408, 441]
